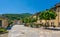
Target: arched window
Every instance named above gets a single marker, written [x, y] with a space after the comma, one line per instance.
[47, 23]
[59, 23]
[40, 20]
[52, 23]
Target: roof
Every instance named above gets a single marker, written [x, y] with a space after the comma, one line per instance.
[53, 9]
[58, 4]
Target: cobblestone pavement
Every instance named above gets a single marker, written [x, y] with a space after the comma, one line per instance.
[21, 31]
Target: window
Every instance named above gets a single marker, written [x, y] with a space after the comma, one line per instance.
[59, 23]
[52, 23]
[47, 23]
[0, 22]
[40, 21]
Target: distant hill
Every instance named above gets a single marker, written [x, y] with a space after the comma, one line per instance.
[17, 16]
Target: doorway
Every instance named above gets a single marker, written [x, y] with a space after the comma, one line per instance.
[59, 24]
[0, 23]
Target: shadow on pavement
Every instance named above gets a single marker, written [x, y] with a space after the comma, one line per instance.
[55, 29]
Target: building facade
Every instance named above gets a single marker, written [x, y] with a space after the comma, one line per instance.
[3, 21]
[55, 22]
[17, 22]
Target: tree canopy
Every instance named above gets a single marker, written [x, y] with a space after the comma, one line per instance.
[47, 15]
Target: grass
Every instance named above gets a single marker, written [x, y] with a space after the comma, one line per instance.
[3, 30]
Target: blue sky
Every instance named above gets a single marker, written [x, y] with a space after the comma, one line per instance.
[25, 6]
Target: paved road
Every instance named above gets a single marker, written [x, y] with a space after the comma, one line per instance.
[4, 35]
[21, 31]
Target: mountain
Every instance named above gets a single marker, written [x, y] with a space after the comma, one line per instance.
[17, 16]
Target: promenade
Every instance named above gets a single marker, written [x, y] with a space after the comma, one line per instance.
[22, 31]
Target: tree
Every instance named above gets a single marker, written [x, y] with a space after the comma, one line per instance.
[29, 20]
[26, 20]
[47, 15]
[33, 20]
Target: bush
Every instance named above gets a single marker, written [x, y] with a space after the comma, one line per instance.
[35, 25]
[3, 30]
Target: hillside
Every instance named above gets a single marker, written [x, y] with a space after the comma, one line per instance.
[17, 16]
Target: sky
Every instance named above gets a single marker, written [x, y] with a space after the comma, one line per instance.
[25, 6]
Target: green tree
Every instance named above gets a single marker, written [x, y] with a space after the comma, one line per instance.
[26, 20]
[29, 20]
[47, 15]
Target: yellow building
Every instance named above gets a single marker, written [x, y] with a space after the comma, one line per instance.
[56, 21]
[3, 21]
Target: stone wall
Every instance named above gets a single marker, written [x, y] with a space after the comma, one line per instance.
[4, 22]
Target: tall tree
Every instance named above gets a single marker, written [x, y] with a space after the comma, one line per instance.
[47, 15]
